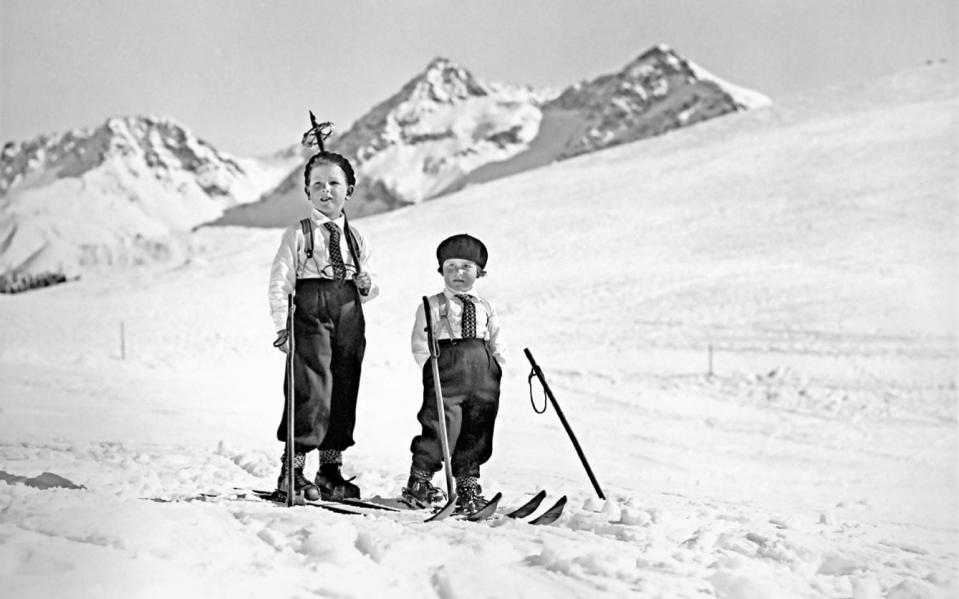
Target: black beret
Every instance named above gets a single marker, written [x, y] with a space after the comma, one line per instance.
[464, 247]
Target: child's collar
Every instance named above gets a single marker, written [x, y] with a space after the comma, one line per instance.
[320, 218]
[453, 293]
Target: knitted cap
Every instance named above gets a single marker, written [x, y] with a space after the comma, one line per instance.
[463, 247]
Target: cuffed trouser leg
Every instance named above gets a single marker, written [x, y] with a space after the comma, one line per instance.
[329, 335]
[470, 381]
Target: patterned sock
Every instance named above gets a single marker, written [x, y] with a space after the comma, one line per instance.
[331, 456]
[466, 484]
[299, 459]
[422, 475]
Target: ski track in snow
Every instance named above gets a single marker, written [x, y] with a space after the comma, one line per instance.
[818, 459]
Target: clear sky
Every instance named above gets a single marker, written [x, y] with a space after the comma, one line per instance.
[242, 74]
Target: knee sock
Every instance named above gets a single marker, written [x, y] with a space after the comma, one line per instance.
[331, 456]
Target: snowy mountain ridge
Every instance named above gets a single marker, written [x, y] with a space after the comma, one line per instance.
[420, 111]
[131, 184]
[655, 93]
[86, 197]
[157, 146]
[446, 129]
[442, 124]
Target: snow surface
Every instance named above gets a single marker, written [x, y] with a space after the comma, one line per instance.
[811, 244]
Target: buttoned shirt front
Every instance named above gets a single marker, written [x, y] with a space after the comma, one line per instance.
[291, 263]
[487, 326]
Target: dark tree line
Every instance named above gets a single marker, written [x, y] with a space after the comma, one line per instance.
[18, 282]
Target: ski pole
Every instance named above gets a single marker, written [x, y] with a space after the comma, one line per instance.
[538, 372]
[290, 486]
[441, 413]
[316, 136]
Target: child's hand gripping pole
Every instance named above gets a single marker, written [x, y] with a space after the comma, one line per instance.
[537, 372]
[441, 414]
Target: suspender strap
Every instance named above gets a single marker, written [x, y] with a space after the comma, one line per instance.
[351, 243]
[444, 310]
[307, 226]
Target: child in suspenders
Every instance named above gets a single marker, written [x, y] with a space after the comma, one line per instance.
[326, 262]
[472, 351]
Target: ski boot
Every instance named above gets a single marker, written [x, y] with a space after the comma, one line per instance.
[301, 484]
[469, 495]
[333, 486]
[420, 492]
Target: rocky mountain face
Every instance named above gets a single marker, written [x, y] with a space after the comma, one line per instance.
[88, 196]
[440, 126]
[657, 92]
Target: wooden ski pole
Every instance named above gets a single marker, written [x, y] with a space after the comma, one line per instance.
[537, 372]
[441, 414]
[290, 404]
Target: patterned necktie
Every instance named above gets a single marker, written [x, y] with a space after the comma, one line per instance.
[336, 256]
[468, 326]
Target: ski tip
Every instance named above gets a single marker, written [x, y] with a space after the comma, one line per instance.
[445, 511]
[529, 507]
[487, 510]
[552, 514]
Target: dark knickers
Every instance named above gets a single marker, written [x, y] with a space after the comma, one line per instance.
[329, 330]
[470, 381]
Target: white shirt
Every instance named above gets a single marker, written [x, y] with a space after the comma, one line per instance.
[291, 263]
[487, 326]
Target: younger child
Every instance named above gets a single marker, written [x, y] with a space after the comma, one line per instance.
[470, 361]
[332, 279]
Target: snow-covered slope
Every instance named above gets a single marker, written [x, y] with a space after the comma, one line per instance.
[446, 129]
[813, 245]
[112, 194]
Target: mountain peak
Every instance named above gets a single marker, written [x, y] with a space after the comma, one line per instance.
[658, 91]
[659, 49]
[660, 58]
[663, 61]
[129, 178]
[445, 82]
[152, 146]
[440, 63]
[144, 128]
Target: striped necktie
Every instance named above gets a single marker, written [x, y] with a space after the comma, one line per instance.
[336, 256]
[468, 325]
